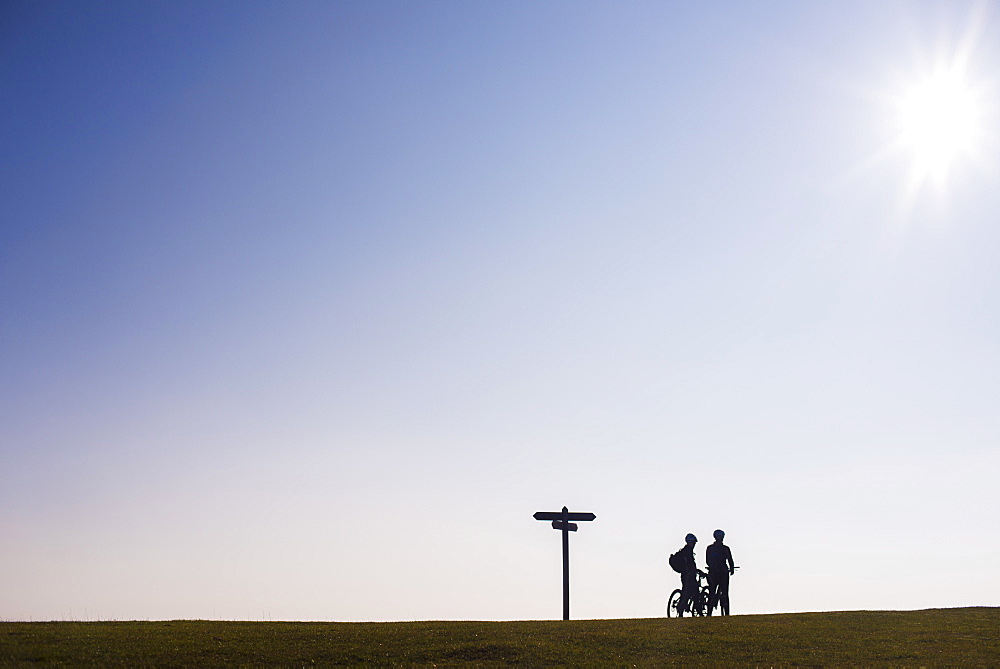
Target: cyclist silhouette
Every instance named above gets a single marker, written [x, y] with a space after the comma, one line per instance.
[689, 574]
[720, 568]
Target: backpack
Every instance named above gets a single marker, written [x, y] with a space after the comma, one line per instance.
[676, 562]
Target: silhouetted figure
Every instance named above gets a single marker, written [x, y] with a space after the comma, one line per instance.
[720, 568]
[689, 574]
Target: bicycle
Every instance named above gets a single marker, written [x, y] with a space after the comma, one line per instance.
[697, 605]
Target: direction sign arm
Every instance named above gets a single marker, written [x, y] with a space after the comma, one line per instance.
[558, 515]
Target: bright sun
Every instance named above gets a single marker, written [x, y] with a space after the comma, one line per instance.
[941, 117]
[939, 121]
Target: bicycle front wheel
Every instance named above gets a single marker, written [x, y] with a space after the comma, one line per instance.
[675, 598]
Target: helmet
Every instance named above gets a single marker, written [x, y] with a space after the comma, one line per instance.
[691, 539]
[718, 534]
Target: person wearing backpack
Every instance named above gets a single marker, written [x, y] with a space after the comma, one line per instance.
[683, 561]
[720, 568]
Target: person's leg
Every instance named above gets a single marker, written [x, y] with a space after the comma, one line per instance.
[689, 586]
[724, 594]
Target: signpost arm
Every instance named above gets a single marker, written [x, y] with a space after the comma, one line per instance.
[565, 547]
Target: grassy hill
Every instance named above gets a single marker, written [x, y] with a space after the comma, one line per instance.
[941, 636]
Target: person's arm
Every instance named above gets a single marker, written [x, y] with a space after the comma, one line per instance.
[729, 558]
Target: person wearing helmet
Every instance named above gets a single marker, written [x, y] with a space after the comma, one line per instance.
[720, 568]
[689, 574]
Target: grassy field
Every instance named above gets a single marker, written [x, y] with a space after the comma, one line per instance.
[900, 638]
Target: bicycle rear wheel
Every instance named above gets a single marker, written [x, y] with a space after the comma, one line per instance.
[675, 598]
[704, 599]
[698, 606]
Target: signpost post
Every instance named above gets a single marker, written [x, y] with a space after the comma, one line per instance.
[560, 521]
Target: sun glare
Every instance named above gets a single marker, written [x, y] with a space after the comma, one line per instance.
[939, 122]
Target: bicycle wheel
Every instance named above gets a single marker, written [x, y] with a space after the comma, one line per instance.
[675, 598]
[704, 599]
[699, 605]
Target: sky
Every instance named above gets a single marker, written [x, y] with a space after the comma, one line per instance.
[307, 307]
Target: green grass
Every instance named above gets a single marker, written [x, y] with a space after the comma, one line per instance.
[899, 638]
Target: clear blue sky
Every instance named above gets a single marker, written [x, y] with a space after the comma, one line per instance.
[306, 307]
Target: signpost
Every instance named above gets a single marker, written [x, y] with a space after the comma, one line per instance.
[560, 521]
